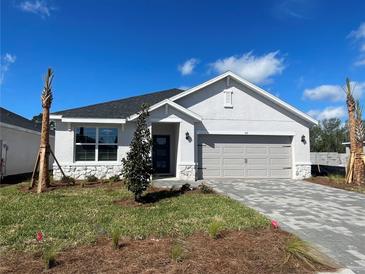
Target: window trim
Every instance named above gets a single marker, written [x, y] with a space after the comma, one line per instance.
[228, 104]
[96, 144]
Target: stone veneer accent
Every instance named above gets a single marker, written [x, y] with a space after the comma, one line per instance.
[80, 172]
[302, 171]
[186, 172]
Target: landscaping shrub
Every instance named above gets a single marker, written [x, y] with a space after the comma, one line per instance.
[137, 166]
[177, 252]
[115, 234]
[206, 189]
[91, 178]
[49, 256]
[67, 180]
[298, 248]
[214, 229]
[185, 187]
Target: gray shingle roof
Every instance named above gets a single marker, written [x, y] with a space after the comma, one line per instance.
[119, 108]
[14, 119]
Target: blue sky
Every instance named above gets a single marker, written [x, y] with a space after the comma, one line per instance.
[301, 51]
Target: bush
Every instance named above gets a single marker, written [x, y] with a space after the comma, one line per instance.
[114, 178]
[91, 178]
[67, 180]
[206, 189]
[137, 166]
[49, 256]
[215, 229]
[299, 249]
[185, 187]
[115, 234]
[177, 252]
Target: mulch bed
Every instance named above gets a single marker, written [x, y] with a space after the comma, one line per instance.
[336, 183]
[77, 184]
[260, 251]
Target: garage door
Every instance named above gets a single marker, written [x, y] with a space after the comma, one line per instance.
[233, 156]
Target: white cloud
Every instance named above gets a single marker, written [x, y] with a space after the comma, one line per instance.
[257, 69]
[333, 93]
[360, 61]
[327, 113]
[325, 92]
[359, 36]
[39, 7]
[188, 67]
[362, 48]
[6, 62]
[359, 33]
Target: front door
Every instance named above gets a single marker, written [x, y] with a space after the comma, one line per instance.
[161, 154]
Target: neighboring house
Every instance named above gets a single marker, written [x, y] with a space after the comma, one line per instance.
[225, 127]
[19, 143]
[347, 144]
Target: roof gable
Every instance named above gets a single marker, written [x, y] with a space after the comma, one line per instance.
[252, 87]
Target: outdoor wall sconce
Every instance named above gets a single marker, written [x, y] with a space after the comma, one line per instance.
[303, 139]
[187, 136]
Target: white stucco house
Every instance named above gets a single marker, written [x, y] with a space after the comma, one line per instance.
[19, 144]
[223, 128]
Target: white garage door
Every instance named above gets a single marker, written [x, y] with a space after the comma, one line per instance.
[233, 156]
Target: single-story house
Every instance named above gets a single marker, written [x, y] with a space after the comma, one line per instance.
[347, 144]
[223, 128]
[19, 144]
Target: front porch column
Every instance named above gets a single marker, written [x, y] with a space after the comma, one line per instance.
[186, 166]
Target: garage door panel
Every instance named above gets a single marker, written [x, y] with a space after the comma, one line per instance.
[233, 161]
[234, 150]
[279, 150]
[257, 161]
[212, 162]
[244, 156]
[211, 172]
[256, 150]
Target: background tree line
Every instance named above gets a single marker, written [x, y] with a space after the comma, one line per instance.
[328, 136]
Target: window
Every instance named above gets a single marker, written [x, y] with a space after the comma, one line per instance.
[107, 147]
[96, 144]
[228, 98]
[85, 144]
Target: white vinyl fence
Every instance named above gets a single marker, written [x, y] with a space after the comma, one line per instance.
[329, 158]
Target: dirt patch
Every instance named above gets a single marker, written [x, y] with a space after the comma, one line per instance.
[236, 252]
[336, 183]
[77, 184]
[155, 194]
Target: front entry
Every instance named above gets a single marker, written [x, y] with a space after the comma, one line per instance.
[161, 154]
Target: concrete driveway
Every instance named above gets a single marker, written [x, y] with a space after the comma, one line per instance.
[332, 219]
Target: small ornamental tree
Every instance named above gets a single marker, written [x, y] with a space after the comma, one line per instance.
[137, 166]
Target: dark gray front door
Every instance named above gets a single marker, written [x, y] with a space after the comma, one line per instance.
[161, 154]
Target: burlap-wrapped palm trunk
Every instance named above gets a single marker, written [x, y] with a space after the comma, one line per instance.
[355, 171]
[43, 179]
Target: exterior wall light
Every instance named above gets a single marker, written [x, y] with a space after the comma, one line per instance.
[187, 136]
[303, 139]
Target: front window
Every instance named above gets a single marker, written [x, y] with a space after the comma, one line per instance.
[85, 144]
[108, 144]
[96, 144]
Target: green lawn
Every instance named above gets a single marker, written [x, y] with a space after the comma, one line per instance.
[76, 215]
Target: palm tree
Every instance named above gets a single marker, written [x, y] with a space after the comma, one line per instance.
[359, 144]
[355, 168]
[46, 98]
